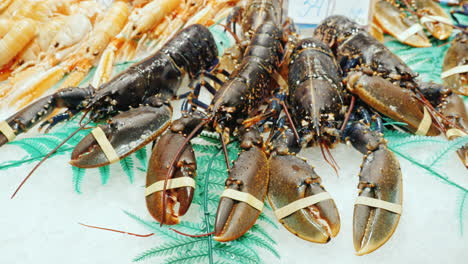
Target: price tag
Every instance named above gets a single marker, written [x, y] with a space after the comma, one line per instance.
[309, 13]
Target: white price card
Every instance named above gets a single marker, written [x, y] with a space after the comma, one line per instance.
[312, 12]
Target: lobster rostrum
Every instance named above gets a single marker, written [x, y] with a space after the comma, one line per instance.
[135, 103]
[382, 80]
[239, 97]
[318, 104]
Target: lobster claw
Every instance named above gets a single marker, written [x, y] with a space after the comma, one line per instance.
[249, 174]
[400, 106]
[379, 179]
[160, 160]
[292, 179]
[392, 22]
[429, 9]
[126, 132]
[27, 117]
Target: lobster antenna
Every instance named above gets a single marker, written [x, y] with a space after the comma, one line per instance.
[226, 156]
[176, 157]
[185, 234]
[293, 127]
[47, 156]
[348, 114]
[332, 164]
[117, 231]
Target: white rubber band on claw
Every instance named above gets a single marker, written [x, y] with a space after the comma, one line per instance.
[428, 18]
[300, 204]
[105, 145]
[243, 197]
[454, 70]
[171, 184]
[455, 132]
[6, 130]
[425, 124]
[409, 32]
[377, 203]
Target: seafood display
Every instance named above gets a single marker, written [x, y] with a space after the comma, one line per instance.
[406, 20]
[456, 58]
[72, 43]
[274, 92]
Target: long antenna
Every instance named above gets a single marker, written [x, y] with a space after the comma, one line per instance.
[117, 231]
[47, 156]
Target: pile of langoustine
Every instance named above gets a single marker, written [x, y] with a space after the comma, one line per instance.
[43, 41]
[339, 85]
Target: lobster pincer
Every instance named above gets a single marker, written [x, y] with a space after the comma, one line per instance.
[180, 188]
[379, 205]
[242, 201]
[402, 105]
[35, 113]
[297, 195]
[126, 132]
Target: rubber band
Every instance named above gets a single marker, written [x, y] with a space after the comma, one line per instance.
[377, 203]
[455, 132]
[105, 145]
[454, 70]
[425, 124]
[6, 130]
[409, 32]
[243, 197]
[428, 18]
[171, 184]
[300, 204]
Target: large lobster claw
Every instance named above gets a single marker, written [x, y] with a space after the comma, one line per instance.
[456, 56]
[249, 175]
[380, 179]
[292, 179]
[186, 166]
[164, 153]
[394, 23]
[40, 109]
[126, 132]
[432, 13]
[28, 117]
[400, 105]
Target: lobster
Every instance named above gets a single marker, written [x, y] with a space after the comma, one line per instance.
[135, 103]
[382, 80]
[238, 98]
[319, 104]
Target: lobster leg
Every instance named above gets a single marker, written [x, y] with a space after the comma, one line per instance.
[163, 153]
[292, 179]
[39, 110]
[379, 179]
[127, 132]
[249, 175]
